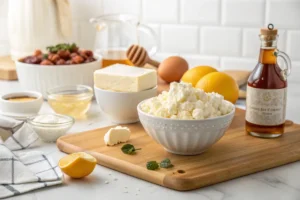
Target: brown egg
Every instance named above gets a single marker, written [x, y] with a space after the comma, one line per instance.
[172, 68]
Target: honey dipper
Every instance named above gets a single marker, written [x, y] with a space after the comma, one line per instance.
[139, 56]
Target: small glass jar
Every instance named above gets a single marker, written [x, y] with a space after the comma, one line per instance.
[74, 100]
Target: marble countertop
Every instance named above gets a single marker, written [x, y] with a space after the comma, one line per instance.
[282, 183]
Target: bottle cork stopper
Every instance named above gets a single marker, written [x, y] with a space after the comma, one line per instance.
[270, 31]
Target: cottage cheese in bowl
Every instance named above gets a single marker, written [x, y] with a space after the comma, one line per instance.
[183, 101]
[186, 120]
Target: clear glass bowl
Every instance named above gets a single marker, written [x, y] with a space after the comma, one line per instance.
[50, 131]
[73, 100]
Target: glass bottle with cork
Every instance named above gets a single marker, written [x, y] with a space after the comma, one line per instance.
[267, 89]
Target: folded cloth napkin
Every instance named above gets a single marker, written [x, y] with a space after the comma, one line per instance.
[21, 171]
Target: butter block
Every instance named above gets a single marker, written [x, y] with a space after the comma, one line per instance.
[124, 78]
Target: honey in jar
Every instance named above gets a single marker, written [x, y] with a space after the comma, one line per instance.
[267, 89]
[111, 57]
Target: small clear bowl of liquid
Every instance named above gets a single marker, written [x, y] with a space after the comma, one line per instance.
[73, 100]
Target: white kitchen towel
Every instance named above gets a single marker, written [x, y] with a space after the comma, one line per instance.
[21, 171]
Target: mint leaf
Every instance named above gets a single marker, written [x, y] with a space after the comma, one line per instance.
[152, 165]
[166, 163]
[129, 149]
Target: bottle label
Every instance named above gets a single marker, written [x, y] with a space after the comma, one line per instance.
[266, 107]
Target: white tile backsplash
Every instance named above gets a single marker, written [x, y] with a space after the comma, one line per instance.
[3, 31]
[251, 42]
[117, 6]
[75, 33]
[200, 11]
[196, 60]
[161, 56]
[281, 40]
[243, 12]
[283, 13]
[84, 10]
[293, 44]
[221, 41]
[165, 11]
[220, 33]
[4, 49]
[179, 39]
[295, 73]
[238, 63]
[3, 8]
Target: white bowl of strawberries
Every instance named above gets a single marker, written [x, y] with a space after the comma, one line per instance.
[64, 64]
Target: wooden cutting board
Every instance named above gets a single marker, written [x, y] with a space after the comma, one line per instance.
[240, 76]
[7, 69]
[235, 155]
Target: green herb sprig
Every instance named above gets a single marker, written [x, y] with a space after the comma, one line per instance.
[129, 149]
[166, 163]
[63, 46]
[45, 56]
[153, 165]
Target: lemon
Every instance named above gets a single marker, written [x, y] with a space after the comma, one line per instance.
[195, 74]
[77, 165]
[221, 83]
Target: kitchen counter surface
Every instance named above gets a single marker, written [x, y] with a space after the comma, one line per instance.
[278, 183]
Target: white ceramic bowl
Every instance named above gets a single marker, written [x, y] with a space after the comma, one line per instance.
[185, 137]
[18, 109]
[42, 78]
[120, 107]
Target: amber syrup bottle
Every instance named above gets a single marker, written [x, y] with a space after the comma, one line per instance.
[267, 89]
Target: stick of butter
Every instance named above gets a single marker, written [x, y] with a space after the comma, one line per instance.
[117, 135]
[124, 78]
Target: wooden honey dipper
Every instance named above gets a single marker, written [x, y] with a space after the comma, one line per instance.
[139, 56]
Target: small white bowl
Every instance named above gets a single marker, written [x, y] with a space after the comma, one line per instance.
[185, 137]
[21, 109]
[120, 107]
[41, 78]
[51, 131]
